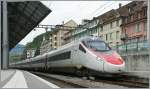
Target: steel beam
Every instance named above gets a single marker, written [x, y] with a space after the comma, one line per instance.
[5, 37]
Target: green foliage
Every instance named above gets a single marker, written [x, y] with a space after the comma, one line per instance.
[15, 58]
[36, 43]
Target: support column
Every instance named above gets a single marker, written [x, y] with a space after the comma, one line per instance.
[148, 26]
[5, 37]
[0, 37]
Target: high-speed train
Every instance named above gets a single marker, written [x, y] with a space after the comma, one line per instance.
[81, 56]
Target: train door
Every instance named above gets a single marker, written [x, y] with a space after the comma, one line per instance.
[74, 55]
[45, 63]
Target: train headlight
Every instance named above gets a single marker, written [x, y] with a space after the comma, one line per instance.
[101, 59]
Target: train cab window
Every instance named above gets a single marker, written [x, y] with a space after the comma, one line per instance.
[98, 45]
[82, 49]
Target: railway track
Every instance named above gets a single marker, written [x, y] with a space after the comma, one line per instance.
[131, 81]
[135, 82]
[76, 82]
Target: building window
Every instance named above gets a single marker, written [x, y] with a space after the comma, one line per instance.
[117, 34]
[131, 18]
[145, 26]
[111, 25]
[101, 28]
[129, 9]
[137, 29]
[92, 31]
[110, 36]
[145, 37]
[117, 23]
[96, 31]
[138, 15]
[55, 38]
[145, 12]
[117, 43]
[106, 36]
[126, 20]
[55, 43]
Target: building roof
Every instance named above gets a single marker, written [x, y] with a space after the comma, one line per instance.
[108, 15]
[71, 23]
[122, 11]
[68, 26]
[133, 6]
[23, 17]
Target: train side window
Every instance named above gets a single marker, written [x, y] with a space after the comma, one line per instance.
[82, 49]
[61, 56]
[84, 43]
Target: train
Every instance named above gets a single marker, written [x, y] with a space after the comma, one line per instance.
[89, 55]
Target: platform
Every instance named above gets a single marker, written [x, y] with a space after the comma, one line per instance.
[23, 79]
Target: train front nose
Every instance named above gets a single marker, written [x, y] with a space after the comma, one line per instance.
[111, 68]
[113, 63]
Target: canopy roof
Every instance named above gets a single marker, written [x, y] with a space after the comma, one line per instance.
[23, 17]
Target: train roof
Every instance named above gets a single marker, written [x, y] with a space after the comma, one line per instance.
[86, 38]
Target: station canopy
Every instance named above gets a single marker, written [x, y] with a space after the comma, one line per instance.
[22, 18]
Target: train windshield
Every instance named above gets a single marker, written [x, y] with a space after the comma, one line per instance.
[98, 45]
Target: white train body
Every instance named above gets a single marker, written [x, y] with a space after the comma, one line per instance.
[77, 55]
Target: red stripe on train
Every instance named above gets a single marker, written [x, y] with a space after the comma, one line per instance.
[112, 58]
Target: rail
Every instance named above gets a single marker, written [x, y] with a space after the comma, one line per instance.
[130, 81]
[124, 81]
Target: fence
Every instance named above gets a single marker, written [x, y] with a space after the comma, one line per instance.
[140, 46]
[135, 55]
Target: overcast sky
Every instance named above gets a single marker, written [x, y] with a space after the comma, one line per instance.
[75, 10]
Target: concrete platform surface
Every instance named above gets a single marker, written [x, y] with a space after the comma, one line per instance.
[5, 74]
[23, 79]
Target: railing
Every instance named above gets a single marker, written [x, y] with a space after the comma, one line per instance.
[134, 47]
